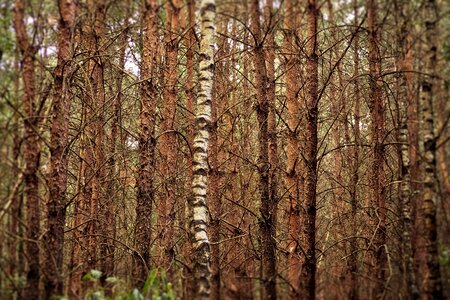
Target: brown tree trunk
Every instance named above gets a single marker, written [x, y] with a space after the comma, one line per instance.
[147, 143]
[31, 153]
[377, 132]
[168, 138]
[307, 288]
[95, 130]
[190, 96]
[214, 191]
[353, 259]
[271, 122]
[267, 210]
[433, 282]
[57, 181]
[293, 179]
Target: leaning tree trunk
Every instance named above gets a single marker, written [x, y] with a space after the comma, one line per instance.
[30, 152]
[433, 282]
[147, 143]
[57, 181]
[197, 202]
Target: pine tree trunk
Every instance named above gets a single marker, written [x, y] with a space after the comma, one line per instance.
[168, 138]
[147, 143]
[293, 179]
[57, 181]
[307, 275]
[377, 132]
[267, 212]
[31, 153]
[353, 259]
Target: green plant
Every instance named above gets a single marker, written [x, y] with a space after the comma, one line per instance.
[156, 287]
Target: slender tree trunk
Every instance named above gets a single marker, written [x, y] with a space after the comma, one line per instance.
[214, 191]
[293, 180]
[267, 211]
[57, 181]
[404, 67]
[97, 12]
[377, 132]
[78, 241]
[433, 282]
[108, 209]
[271, 122]
[190, 96]
[147, 143]
[14, 241]
[353, 259]
[31, 153]
[307, 275]
[197, 202]
[169, 138]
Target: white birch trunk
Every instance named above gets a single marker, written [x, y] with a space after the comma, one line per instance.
[197, 202]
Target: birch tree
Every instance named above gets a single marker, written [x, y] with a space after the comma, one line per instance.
[198, 200]
[433, 281]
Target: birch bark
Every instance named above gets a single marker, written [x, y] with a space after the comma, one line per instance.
[433, 281]
[198, 201]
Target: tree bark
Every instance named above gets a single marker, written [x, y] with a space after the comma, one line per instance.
[307, 275]
[433, 282]
[57, 181]
[198, 202]
[377, 133]
[404, 63]
[353, 260]
[147, 143]
[267, 211]
[31, 153]
[293, 179]
[168, 138]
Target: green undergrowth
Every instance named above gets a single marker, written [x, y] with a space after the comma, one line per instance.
[156, 287]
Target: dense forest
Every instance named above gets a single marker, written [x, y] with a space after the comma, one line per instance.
[224, 149]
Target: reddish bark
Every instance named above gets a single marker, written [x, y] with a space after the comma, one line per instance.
[307, 288]
[377, 132]
[57, 181]
[31, 153]
[147, 144]
[267, 210]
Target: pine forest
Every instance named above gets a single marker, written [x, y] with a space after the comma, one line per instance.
[224, 149]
